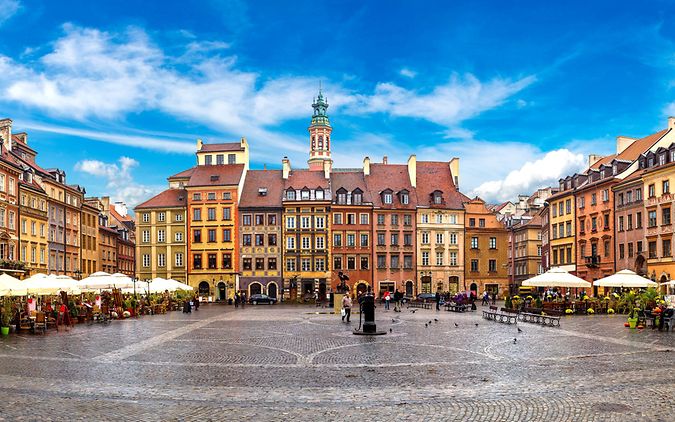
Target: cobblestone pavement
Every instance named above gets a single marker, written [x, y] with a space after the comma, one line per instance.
[288, 362]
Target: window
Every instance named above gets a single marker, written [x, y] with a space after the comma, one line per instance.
[305, 242]
[220, 159]
[594, 224]
[305, 264]
[638, 220]
[606, 248]
[364, 240]
[582, 201]
[320, 242]
[492, 265]
[380, 219]
[425, 238]
[425, 258]
[439, 219]
[197, 236]
[472, 222]
[394, 239]
[363, 219]
[271, 240]
[620, 228]
[146, 217]
[481, 222]
[196, 196]
[381, 239]
[247, 264]
[227, 261]
[304, 222]
[290, 195]
[666, 186]
[407, 220]
[474, 242]
[652, 190]
[493, 243]
[319, 264]
[211, 214]
[605, 220]
[271, 219]
[179, 217]
[538, 250]
[652, 249]
[381, 261]
[364, 263]
[358, 198]
[639, 246]
[337, 239]
[453, 258]
[351, 240]
[651, 218]
[638, 194]
[337, 218]
[394, 220]
[211, 196]
[146, 260]
[290, 222]
[630, 250]
[351, 263]
[161, 236]
[665, 251]
[320, 222]
[197, 261]
[260, 264]
[665, 216]
[146, 236]
[474, 265]
[351, 218]
[290, 264]
[246, 240]
[260, 219]
[260, 239]
[337, 262]
[568, 206]
[208, 160]
[439, 258]
[197, 214]
[387, 198]
[407, 239]
[405, 200]
[593, 199]
[227, 213]
[227, 235]
[246, 219]
[453, 238]
[439, 238]
[178, 259]
[231, 159]
[629, 221]
[605, 195]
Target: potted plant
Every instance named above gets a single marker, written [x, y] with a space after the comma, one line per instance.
[633, 318]
[5, 317]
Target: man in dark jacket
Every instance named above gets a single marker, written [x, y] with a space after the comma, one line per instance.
[438, 300]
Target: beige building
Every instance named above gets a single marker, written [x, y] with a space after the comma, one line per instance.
[161, 236]
[524, 250]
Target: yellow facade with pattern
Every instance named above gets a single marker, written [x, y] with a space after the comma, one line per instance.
[562, 230]
[33, 229]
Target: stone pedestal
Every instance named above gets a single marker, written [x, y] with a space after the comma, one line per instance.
[337, 303]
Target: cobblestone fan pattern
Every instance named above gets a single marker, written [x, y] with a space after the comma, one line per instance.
[288, 362]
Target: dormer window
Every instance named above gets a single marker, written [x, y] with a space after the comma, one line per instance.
[304, 194]
[650, 162]
[290, 195]
[614, 169]
[318, 194]
[602, 173]
[437, 197]
[341, 196]
[672, 156]
[262, 191]
[357, 196]
[662, 159]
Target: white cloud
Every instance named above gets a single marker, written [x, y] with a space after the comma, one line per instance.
[669, 110]
[408, 73]
[93, 74]
[534, 174]
[119, 181]
[8, 8]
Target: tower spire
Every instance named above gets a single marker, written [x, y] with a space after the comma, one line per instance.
[319, 134]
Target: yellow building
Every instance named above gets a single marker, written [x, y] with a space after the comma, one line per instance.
[524, 249]
[161, 239]
[562, 227]
[89, 239]
[33, 227]
[306, 252]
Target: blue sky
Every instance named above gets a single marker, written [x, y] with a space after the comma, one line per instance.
[116, 93]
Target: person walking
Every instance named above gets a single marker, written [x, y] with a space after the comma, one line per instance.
[438, 300]
[243, 299]
[387, 298]
[236, 300]
[486, 295]
[494, 298]
[347, 306]
[397, 299]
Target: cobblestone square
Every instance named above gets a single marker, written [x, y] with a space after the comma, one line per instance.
[292, 362]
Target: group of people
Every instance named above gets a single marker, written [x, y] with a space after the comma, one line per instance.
[188, 304]
[487, 297]
[397, 298]
[240, 298]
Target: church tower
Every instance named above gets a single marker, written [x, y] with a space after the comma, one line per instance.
[319, 136]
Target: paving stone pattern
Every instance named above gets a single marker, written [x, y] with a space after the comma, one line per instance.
[289, 362]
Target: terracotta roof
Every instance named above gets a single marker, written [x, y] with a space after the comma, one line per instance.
[217, 175]
[632, 177]
[183, 174]
[436, 175]
[641, 145]
[121, 218]
[350, 180]
[390, 176]
[17, 138]
[502, 205]
[224, 147]
[168, 199]
[33, 185]
[270, 180]
[299, 179]
[604, 160]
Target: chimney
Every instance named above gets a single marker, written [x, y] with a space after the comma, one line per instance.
[593, 158]
[285, 167]
[327, 165]
[623, 142]
[454, 171]
[243, 142]
[412, 170]
[366, 166]
[200, 144]
[6, 133]
[671, 122]
[384, 160]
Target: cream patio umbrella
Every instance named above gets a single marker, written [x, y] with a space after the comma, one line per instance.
[625, 278]
[10, 286]
[42, 284]
[96, 281]
[556, 277]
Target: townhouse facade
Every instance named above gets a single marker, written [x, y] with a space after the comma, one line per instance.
[33, 233]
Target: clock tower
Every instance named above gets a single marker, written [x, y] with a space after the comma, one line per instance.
[319, 136]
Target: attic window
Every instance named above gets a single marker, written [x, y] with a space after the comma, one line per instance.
[386, 198]
[438, 198]
[318, 194]
[215, 178]
[262, 191]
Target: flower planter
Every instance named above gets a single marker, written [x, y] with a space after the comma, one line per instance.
[632, 322]
[4, 331]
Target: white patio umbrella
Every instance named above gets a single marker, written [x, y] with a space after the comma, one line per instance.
[670, 283]
[181, 286]
[42, 284]
[556, 277]
[625, 278]
[10, 286]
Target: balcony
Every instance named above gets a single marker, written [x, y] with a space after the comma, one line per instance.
[592, 261]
